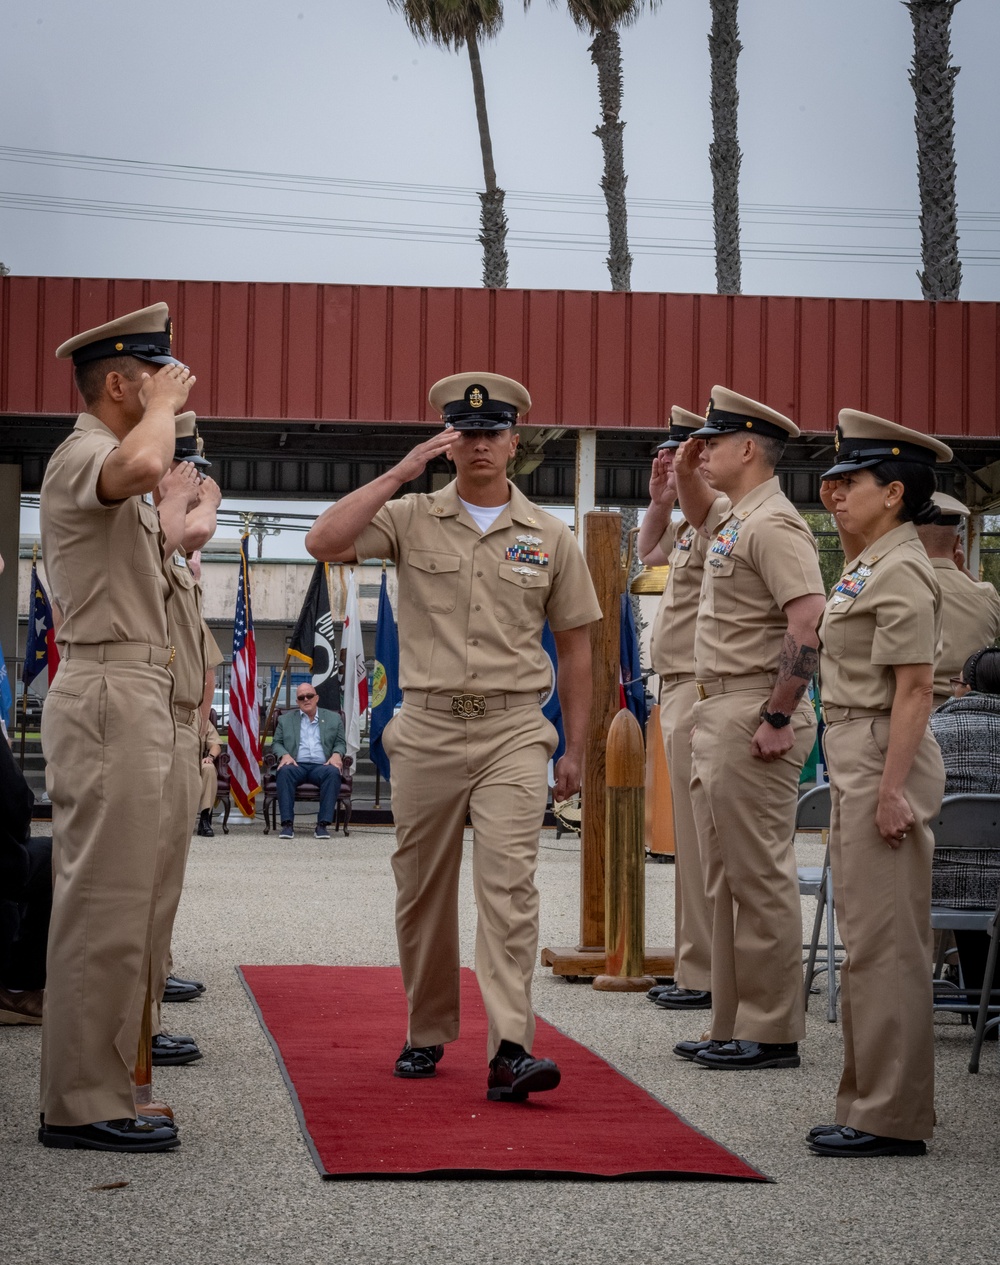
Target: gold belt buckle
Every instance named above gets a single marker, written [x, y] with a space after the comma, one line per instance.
[468, 706]
[701, 691]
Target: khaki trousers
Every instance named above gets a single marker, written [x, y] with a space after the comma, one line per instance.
[494, 769]
[185, 783]
[108, 739]
[883, 900]
[209, 787]
[745, 810]
[692, 911]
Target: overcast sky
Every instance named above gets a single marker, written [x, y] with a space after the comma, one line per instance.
[341, 93]
[380, 132]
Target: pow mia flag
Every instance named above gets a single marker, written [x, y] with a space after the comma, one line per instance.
[313, 639]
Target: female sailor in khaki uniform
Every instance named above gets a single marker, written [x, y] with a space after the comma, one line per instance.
[878, 641]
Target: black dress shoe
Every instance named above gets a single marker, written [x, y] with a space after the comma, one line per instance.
[848, 1142]
[743, 1055]
[688, 1049]
[110, 1135]
[170, 1053]
[657, 989]
[684, 999]
[182, 989]
[205, 824]
[418, 1062]
[512, 1077]
[818, 1131]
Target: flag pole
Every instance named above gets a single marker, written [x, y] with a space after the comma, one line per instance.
[274, 696]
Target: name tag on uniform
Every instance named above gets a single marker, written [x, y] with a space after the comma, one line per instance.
[527, 553]
[726, 540]
[180, 560]
[685, 541]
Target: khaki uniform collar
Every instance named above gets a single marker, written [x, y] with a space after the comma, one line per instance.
[943, 564]
[885, 544]
[87, 421]
[446, 504]
[756, 498]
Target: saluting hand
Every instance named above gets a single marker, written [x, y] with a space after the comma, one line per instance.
[182, 484]
[170, 385]
[688, 456]
[662, 483]
[209, 491]
[415, 461]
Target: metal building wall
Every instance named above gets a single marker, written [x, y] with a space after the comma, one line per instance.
[593, 359]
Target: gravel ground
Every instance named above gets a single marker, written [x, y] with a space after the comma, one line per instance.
[242, 1187]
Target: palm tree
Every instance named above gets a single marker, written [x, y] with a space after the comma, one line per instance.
[724, 152]
[933, 82]
[604, 19]
[450, 24]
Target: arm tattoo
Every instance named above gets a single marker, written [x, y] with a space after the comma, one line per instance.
[797, 661]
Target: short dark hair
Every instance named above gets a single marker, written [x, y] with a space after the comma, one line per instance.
[981, 671]
[919, 485]
[772, 449]
[90, 376]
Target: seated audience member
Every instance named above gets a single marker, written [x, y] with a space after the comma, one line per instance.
[211, 749]
[309, 745]
[968, 732]
[25, 898]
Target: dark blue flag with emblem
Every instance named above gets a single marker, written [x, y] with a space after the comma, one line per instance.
[633, 686]
[550, 702]
[40, 652]
[386, 694]
[6, 701]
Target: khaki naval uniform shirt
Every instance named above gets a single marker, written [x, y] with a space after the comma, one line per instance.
[885, 610]
[762, 556]
[970, 612]
[471, 605]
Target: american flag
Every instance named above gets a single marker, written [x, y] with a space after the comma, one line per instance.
[40, 652]
[244, 718]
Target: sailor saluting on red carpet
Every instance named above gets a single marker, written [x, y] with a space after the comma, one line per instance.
[471, 737]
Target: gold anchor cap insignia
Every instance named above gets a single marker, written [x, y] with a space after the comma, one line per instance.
[476, 397]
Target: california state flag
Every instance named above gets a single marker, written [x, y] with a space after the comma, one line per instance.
[355, 673]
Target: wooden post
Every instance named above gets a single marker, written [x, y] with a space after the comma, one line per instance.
[142, 1076]
[625, 871]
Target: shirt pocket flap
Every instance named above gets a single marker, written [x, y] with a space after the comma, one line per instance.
[431, 560]
[148, 516]
[719, 567]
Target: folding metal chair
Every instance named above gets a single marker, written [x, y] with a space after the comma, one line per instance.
[813, 813]
[968, 823]
[983, 1022]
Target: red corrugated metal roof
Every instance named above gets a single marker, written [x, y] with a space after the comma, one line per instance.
[369, 353]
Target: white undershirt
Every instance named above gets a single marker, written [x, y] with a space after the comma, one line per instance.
[484, 516]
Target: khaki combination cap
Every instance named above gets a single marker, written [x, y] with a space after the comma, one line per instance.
[731, 414]
[188, 444]
[863, 440]
[144, 334]
[951, 509]
[682, 426]
[479, 401]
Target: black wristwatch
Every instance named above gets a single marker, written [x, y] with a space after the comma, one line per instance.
[777, 720]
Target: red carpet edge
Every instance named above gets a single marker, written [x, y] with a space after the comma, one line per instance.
[707, 1160]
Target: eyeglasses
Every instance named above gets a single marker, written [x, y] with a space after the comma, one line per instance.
[957, 680]
[304, 698]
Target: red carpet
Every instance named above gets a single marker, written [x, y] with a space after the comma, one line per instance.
[337, 1031]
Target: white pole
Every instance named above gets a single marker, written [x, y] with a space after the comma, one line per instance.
[586, 478]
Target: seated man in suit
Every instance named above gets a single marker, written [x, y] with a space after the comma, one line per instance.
[310, 747]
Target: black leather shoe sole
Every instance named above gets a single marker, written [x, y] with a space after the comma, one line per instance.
[91, 1137]
[684, 999]
[541, 1076]
[864, 1146]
